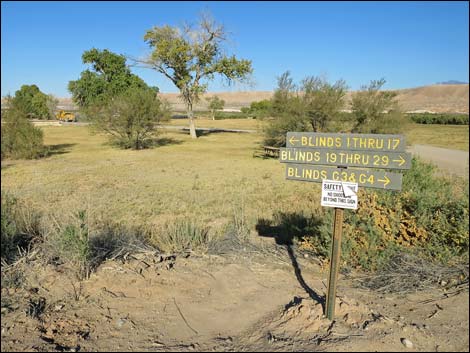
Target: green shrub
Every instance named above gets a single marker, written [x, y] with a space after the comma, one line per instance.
[260, 109]
[131, 118]
[69, 244]
[311, 106]
[221, 115]
[275, 132]
[429, 216]
[20, 139]
[20, 226]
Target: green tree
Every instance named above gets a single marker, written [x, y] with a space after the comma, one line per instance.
[283, 95]
[131, 118]
[20, 139]
[310, 106]
[322, 101]
[36, 104]
[189, 57]
[52, 103]
[376, 111]
[215, 103]
[110, 76]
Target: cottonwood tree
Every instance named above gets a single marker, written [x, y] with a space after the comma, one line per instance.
[215, 103]
[109, 77]
[190, 57]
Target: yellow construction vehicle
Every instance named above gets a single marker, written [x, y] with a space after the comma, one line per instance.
[65, 116]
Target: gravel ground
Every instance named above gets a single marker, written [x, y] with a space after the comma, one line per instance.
[449, 161]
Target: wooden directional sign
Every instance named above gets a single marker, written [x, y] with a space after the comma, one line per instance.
[324, 157]
[345, 158]
[367, 178]
[357, 142]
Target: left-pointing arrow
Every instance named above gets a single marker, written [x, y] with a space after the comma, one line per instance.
[293, 140]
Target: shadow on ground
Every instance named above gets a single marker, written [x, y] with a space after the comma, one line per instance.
[164, 141]
[61, 148]
[288, 226]
[208, 131]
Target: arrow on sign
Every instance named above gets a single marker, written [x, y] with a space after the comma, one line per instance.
[400, 161]
[386, 181]
[292, 140]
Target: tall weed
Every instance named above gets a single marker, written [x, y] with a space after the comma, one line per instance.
[181, 235]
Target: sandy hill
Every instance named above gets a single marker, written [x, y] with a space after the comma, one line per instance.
[437, 98]
[434, 98]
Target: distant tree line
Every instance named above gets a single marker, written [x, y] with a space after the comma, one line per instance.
[439, 118]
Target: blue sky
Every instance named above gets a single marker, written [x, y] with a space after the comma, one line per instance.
[410, 44]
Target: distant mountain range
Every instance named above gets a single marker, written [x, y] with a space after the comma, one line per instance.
[452, 82]
[448, 97]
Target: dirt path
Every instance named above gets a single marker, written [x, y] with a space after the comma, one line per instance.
[449, 161]
[236, 303]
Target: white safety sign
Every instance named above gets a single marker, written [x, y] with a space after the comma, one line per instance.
[339, 194]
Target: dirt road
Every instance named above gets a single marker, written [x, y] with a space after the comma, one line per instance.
[449, 161]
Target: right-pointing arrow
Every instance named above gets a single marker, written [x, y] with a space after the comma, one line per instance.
[400, 161]
[386, 181]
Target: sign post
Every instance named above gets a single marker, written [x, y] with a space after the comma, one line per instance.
[334, 264]
[325, 158]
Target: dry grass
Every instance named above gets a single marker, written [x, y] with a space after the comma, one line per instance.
[205, 180]
[446, 136]
[201, 121]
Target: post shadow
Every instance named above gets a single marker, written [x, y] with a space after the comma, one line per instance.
[282, 236]
[61, 148]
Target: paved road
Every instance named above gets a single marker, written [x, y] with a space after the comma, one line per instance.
[449, 161]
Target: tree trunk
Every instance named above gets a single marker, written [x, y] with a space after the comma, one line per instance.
[192, 128]
[213, 115]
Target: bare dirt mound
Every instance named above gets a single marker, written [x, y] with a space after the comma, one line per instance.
[244, 302]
